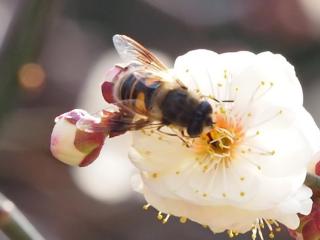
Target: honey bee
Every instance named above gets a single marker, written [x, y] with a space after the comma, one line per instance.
[146, 87]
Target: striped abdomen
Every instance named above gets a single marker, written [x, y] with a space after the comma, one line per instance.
[138, 92]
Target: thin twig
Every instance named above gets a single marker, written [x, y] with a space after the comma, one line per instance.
[14, 224]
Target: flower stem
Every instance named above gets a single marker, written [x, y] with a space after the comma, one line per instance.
[14, 224]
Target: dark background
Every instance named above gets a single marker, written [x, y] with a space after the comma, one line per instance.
[53, 54]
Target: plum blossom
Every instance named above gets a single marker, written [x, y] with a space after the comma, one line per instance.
[71, 145]
[244, 173]
[247, 172]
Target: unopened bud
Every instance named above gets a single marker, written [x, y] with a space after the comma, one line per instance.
[72, 145]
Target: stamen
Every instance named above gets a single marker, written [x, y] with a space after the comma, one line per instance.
[146, 206]
[159, 216]
[183, 219]
[259, 224]
[261, 85]
[277, 114]
[231, 234]
[165, 220]
[195, 83]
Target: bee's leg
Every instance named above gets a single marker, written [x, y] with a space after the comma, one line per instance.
[166, 133]
[173, 135]
[217, 100]
[181, 84]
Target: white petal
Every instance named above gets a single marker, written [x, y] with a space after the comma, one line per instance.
[158, 152]
[218, 218]
[309, 128]
[267, 170]
[62, 143]
[211, 74]
[267, 79]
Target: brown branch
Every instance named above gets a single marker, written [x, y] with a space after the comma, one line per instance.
[14, 224]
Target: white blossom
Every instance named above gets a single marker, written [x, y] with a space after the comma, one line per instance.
[252, 174]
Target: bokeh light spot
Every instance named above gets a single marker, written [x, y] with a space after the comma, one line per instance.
[31, 76]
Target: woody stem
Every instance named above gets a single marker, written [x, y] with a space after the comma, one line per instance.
[14, 224]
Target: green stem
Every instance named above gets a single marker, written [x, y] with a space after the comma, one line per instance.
[14, 224]
[21, 45]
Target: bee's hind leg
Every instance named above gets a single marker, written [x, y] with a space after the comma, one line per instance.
[174, 135]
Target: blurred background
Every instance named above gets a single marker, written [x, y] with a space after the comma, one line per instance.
[53, 56]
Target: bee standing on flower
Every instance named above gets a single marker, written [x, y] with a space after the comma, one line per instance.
[147, 88]
[233, 152]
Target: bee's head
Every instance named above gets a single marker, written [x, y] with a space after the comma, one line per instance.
[200, 119]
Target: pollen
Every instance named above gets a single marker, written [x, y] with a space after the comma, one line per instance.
[218, 145]
[183, 219]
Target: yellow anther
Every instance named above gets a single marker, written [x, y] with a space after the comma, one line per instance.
[155, 175]
[159, 216]
[165, 220]
[183, 219]
[242, 178]
[222, 110]
[242, 194]
[271, 235]
[230, 234]
[253, 236]
[146, 206]
[225, 74]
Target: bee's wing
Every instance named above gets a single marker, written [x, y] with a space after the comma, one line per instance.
[96, 122]
[130, 50]
[115, 122]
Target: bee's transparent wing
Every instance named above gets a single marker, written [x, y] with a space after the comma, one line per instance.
[97, 122]
[130, 50]
[115, 122]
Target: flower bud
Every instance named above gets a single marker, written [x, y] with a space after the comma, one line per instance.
[71, 145]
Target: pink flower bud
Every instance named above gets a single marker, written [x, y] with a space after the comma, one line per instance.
[71, 145]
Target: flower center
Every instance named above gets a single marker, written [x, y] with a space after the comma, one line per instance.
[220, 140]
[219, 143]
